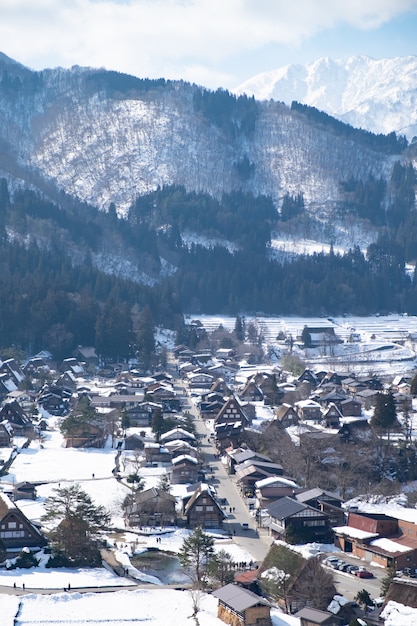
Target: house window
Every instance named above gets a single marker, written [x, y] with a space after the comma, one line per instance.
[314, 522]
[198, 508]
[12, 525]
[209, 508]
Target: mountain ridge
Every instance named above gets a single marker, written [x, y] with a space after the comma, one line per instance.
[379, 95]
[104, 138]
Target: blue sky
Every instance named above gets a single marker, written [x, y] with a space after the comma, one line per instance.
[215, 43]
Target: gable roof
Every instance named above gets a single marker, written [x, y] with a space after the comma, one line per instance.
[238, 598]
[286, 507]
[204, 489]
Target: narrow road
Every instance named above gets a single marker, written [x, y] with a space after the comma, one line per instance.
[250, 540]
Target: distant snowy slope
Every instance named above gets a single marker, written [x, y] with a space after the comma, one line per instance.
[377, 95]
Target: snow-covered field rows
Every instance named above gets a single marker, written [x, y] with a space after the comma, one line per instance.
[382, 342]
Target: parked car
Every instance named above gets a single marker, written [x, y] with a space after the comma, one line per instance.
[343, 567]
[352, 569]
[364, 573]
[330, 561]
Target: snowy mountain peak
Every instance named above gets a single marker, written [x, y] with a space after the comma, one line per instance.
[377, 95]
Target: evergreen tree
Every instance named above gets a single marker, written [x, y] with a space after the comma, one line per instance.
[364, 599]
[387, 580]
[385, 413]
[79, 522]
[195, 555]
[239, 329]
[158, 424]
[222, 567]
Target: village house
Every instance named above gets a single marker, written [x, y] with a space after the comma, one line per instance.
[236, 456]
[331, 416]
[151, 507]
[252, 470]
[351, 408]
[17, 418]
[296, 522]
[286, 415]
[241, 607]
[16, 531]
[178, 433]
[326, 501]
[203, 509]
[251, 392]
[309, 616]
[184, 469]
[87, 355]
[199, 380]
[155, 454]
[309, 410]
[272, 488]
[6, 434]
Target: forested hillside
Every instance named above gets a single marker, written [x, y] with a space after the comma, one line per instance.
[126, 202]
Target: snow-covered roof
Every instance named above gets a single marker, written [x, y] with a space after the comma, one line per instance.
[275, 480]
[354, 532]
[389, 545]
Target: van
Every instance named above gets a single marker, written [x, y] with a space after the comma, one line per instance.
[245, 526]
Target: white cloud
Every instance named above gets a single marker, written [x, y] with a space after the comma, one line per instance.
[171, 38]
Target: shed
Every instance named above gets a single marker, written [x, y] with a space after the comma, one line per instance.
[313, 617]
[241, 607]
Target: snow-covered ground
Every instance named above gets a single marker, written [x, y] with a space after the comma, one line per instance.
[382, 344]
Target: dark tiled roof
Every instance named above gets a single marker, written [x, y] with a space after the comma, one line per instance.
[285, 507]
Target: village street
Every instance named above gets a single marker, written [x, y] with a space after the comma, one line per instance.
[250, 540]
[256, 541]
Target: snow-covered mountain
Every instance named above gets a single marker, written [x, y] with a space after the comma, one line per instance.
[105, 137]
[376, 95]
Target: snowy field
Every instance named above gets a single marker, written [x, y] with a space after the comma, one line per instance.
[385, 343]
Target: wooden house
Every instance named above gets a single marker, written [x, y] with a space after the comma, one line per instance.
[24, 491]
[236, 456]
[6, 434]
[251, 392]
[152, 507]
[87, 355]
[297, 522]
[351, 408]
[13, 370]
[286, 415]
[240, 607]
[203, 509]
[331, 416]
[309, 410]
[308, 376]
[231, 413]
[272, 488]
[200, 380]
[16, 531]
[133, 442]
[178, 433]
[156, 454]
[326, 501]
[253, 470]
[184, 469]
[17, 418]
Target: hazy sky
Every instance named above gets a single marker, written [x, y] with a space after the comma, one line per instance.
[215, 43]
